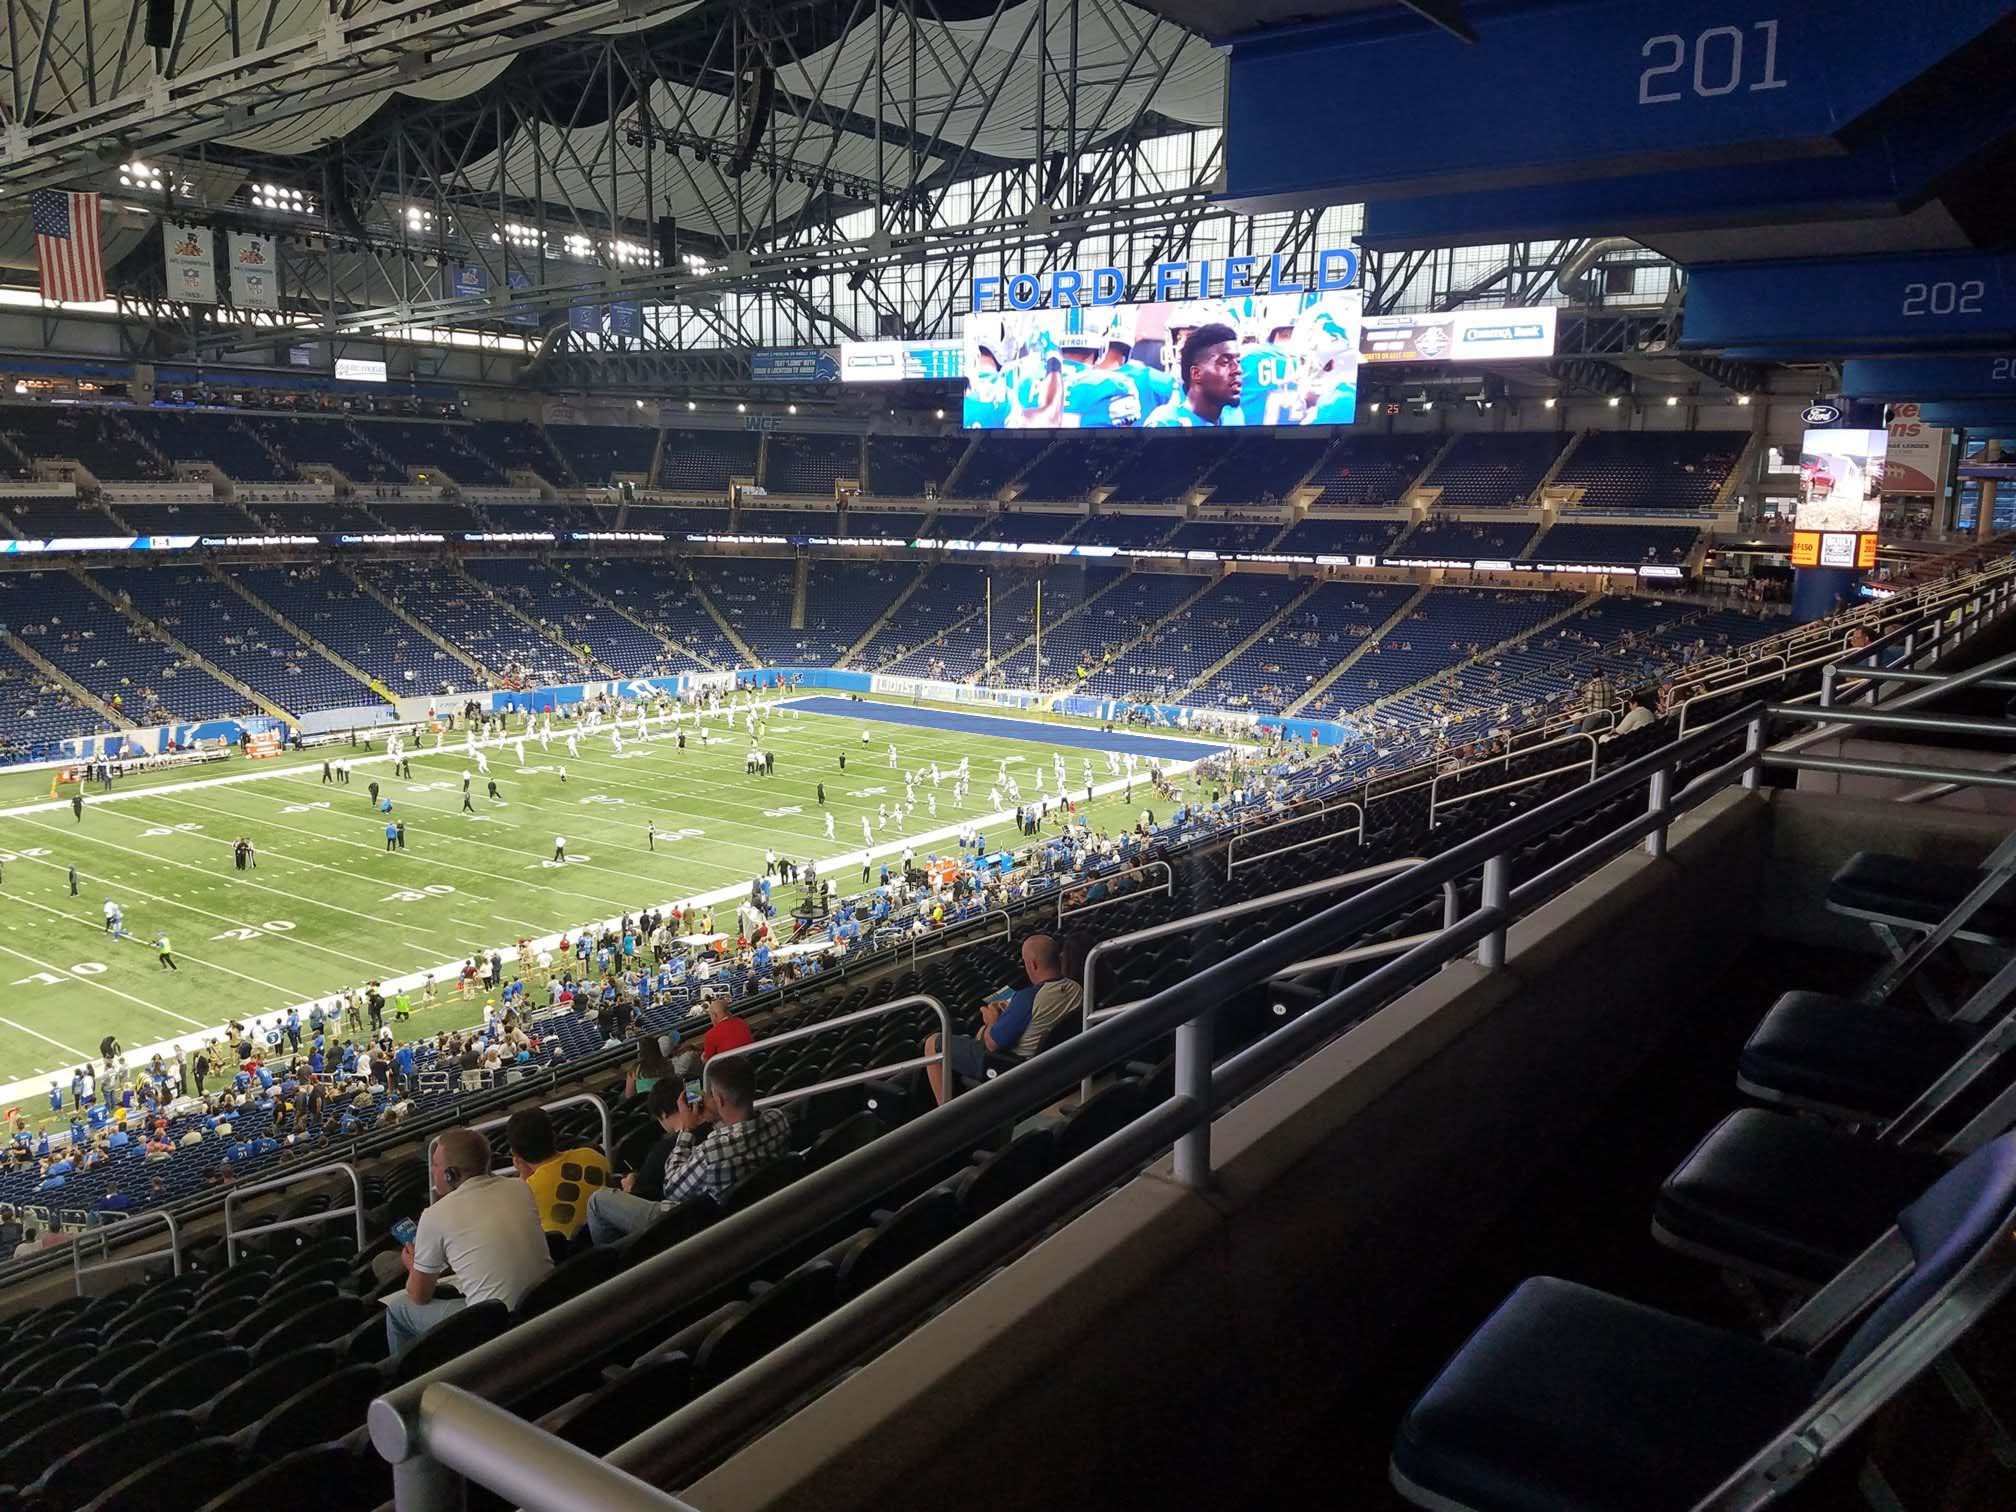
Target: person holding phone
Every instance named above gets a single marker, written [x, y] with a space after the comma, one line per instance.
[743, 1140]
[485, 1229]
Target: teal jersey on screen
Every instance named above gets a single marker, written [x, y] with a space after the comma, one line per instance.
[1267, 394]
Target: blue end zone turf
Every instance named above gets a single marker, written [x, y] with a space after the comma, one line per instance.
[1007, 727]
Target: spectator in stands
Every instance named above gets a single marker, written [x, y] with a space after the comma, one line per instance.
[744, 1140]
[1014, 1021]
[648, 1180]
[1638, 716]
[484, 1229]
[727, 1030]
[561, 1180]
[650, 1068]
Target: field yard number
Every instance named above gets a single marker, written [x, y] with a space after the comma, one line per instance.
[418, 894]
[31, 852]
[779, 813]
[601, 798]
[161, 830]
[271, 926]
[50, 978]
[303, 808]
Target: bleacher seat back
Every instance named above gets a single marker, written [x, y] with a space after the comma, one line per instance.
[151, 1325]
[464, 1330]
[782, 1312]
[319, 1411]
[112, 1455]
[675, 1226]
[919, 1225]
[644, 1395]
[329, 1319]
[253, 1394]
[45, 1406]
[1102, 1114]
[1969, 1208]
[1030, 1157]
[198, 1379]
[844, 1138]
[334, 1247]
[367, 1343]
[326, 1478]
[28, 1456]
[278, 1308]
[768, 1181]
[569, 1279]
[196, 1471]
[208, 1317]
[106, 1363]
[122, 1386]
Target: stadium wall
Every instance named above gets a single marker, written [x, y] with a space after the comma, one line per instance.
[1169, 1339]
[158, 740]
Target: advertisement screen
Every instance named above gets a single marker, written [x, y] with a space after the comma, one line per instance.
[1460, 336]
[899, 361]
[1841, 480]
[360, 370]
[1919, 457]
[1274, 359]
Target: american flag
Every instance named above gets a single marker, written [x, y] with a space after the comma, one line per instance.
[67, 249]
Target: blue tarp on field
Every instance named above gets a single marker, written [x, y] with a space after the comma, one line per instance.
[1007, 727]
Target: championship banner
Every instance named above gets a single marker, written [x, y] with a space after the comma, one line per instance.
[191, 262]
[255, 271]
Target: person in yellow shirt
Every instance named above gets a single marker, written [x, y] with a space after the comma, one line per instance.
[561, 1180]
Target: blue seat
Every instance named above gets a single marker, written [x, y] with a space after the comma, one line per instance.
[1572, 1400]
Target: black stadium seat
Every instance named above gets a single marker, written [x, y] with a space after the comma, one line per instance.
[195, 1472]
[315, 1413]
[115, 1453]
[1568, 1397]
[326, 1478]
[198, 1379]
[570, 1279]
[476, 1324]
[1833, 1054]
[780, 1312]
[254, 1393]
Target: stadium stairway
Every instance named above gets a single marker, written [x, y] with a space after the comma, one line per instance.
[419, 627]
[1420, 479]
[182, 648]
[1574, 445]
[588, 589]
[281, 461]
[952, 477]
[1497, 648]
[1385, 629]
[1149, 632]
[320, 648]
[895, 604]
[749, 658]
[545, 632]
[64, 680]
[1029, 641]
[1203, 679]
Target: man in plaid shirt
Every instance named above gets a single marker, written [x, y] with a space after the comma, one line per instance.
[744, 1140]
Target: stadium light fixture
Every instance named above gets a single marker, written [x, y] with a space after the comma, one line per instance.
[691, 405]
[1548, 402]
[1742, 398]
[1613, 401]
[791, 409]
[741, 408]
[138, 175]
[1671, 400]
[940, 414]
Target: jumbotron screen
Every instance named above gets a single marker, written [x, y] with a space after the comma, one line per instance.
[1274, 359]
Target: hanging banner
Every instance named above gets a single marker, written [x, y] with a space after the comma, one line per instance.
[191, 262]
[1919, 455]
[519, 315]
[467, 280]
[255, 271]
[585, 320]
[625, 318]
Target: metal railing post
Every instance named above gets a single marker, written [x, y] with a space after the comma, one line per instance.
[1658, 805]
[1827, 684]
[424, 1484]
[1753, 746]
[1193, 1082]
[1496, 895]
[1452, 905]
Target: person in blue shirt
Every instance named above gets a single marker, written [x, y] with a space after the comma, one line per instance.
[1211, 382]
[391, 837]
[55, 1098]
[315, 1061]
[294, 1029]
[403, 1063]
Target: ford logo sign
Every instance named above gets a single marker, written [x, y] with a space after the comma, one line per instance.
[1820, 414]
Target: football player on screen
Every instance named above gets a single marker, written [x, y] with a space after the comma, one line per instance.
[987, 399]
[1268, 368]
[1209, 370]
[1097, 394]
[1329, 370]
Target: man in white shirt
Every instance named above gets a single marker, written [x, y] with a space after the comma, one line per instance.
[483, 1228]
[1640, 715]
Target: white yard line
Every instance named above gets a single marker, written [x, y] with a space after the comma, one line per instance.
[89, 982]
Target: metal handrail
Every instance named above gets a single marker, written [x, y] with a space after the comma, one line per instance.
[238, 1194]
[125, 1227]
[1334, 805]
[1240, 910]
[1167, 886]
[874, 1073]
[574, 1101]
[1435, 802]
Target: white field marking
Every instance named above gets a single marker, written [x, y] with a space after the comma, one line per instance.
[433, 837]
[180, 955]
[101, 986]
[76, 1054]
[138, 892]
[233, 879]
[276, 855]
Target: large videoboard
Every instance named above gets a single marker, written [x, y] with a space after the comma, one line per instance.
[1260, 360]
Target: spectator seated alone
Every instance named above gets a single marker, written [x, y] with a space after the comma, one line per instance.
[562, 1181]
[743, 1140]
[1014, 1020]
[483, 1229]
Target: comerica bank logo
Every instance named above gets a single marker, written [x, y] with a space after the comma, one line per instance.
[1820, 414]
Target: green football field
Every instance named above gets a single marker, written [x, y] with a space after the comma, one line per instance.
[328, 907]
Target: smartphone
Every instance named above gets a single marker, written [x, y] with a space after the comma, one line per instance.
[693, 1091]
[404, 1230]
